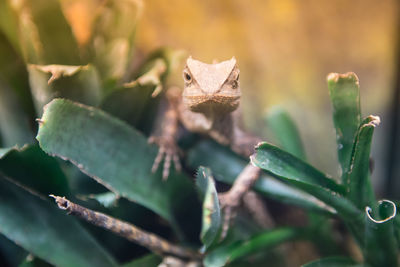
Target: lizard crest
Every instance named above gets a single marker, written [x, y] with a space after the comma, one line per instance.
[211, 88]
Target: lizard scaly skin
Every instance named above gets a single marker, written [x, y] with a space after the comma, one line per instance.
[207, 105]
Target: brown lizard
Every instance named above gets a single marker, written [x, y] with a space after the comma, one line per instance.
[207, 105]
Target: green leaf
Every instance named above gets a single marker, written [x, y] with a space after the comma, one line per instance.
[41, 228]
[344, 91]
[234, 251]
[14, 123]
[288, 168]
[113, 38]
[358, 181]
[217, 158]
[78, 83]
[381, 247]
[49, 34]
[285, 131]
[16, 109]
[333, 262]
[282, 164]
[11, 253]
[130, 101]
[31, 261]
[211, 220]
[113, 154]
[9, 25]
[39, 32]
[33, 168]
[148, 260]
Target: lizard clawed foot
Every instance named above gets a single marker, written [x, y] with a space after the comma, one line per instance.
[168, 150]
[229, 203]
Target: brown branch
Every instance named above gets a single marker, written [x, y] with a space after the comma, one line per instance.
[151, 241]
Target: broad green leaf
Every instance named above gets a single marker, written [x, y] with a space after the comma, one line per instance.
[217, 158]
[39, 31]
[14, 122]
[41, 228]
[78, 83]
[130, 102]
[113, 154]
[358, 181]
[12, 254]
[282, 164]
[113, 37]
[31, 261]
[211, 220]
[4, 151]
[288, 168]
[344, 91]
[33, 168]
[333, 262]
[17, 25]
[285, 131]
[54, 43]
[381, 248]
[16, 109]
[229, 253]
[148, 260]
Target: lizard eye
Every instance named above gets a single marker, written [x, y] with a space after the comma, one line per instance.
[187, 77]
[235, 84]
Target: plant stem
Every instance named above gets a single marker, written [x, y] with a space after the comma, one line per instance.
[151, 241]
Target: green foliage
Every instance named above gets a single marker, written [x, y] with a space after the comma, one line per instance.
[285, 131]
[96, 104]
[211, 217]
[236, 250]
[333, 262]
[123, 158]
[375, 236]
[345, 97]
[39, 227]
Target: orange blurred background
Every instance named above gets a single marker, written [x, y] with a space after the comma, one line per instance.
[285, 49]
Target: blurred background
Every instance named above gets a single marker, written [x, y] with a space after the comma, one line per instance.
[285, 49]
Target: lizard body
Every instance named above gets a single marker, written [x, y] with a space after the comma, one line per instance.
[208, 105]
[211, 96]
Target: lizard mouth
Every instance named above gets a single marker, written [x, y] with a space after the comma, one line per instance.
[203, 103]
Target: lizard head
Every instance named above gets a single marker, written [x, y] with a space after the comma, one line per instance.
[211, 87]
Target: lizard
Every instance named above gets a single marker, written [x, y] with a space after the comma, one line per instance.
[208, 105]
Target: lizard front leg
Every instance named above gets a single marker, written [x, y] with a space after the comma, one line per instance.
[243, 143]
[231, 199]
[166, 135]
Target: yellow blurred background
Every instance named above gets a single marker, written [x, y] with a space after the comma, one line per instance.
[285, 49]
